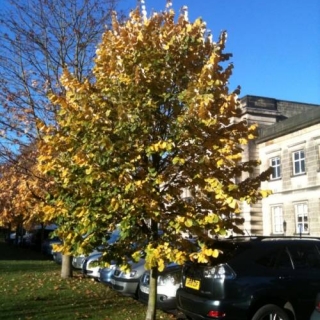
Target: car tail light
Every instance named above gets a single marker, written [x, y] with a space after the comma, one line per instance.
[220, 271]
[216, 314]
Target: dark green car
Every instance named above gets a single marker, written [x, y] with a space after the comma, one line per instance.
[257, 278]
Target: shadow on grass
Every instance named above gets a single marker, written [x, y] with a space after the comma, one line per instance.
[13, 252]
[31, 288]
[77, 308]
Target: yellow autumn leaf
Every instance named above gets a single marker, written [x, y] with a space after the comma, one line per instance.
[243, 141]
[161, 265]
[220, 163]
[215, 253]
[89, 170]
[265, 193]
[178, 160]
[232, 203]
[138, 183]
[188, 223]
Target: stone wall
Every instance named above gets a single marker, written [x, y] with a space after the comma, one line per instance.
[281, 125]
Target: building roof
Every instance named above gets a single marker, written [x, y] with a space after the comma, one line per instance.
[292, 124]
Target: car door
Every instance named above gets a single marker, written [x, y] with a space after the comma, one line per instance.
[305, 279]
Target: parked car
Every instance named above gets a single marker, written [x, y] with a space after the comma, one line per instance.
[106, 274]
[127, 283]
[90, 266]
[316, 312]
[47, 245]
[169, 280]
[23, 239]
[79, 261]
[57, 257]
[253, 278]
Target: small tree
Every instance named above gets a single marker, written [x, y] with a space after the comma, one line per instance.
[157, 120]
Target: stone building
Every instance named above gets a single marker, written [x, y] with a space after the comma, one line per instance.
[289, 141]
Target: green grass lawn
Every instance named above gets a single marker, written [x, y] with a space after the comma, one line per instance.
[31, 288]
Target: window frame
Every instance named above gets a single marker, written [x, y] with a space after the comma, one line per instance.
[304, 213]
[277, 219]
[276, 172]
[300, 161]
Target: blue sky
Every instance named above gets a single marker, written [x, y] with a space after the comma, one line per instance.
[275, 43]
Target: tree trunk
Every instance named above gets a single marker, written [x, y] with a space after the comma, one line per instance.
[66, 267]
[152, 302]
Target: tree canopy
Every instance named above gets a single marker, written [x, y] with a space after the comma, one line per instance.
[157, 119]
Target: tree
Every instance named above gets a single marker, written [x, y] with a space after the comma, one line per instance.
[157, 119]
[23, 192]
[38, 39]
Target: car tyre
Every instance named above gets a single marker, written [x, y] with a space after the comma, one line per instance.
[271, 311]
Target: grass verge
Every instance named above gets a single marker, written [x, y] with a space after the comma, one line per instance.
[31, 288]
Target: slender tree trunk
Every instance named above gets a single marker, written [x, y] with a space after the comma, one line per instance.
[66, 267]
[152, 303]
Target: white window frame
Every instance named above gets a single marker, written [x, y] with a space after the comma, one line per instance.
[277, 219]
[275, 163]
[299, 162]
[302, 217]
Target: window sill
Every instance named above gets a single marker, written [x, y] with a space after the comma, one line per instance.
[298, 174]
[302, 234]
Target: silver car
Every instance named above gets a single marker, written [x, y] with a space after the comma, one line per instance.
[79, 261]
[106, 274]
[90, 266]
[169, 281]
[127, 283]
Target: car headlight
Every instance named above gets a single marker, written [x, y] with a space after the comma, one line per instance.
[130, 274]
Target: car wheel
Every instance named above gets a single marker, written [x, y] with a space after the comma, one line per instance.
[271, 312]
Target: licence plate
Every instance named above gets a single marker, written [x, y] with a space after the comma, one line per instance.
[193, 284]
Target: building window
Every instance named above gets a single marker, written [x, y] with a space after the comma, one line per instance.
[275, 163]
[277, 219]
[301, 212]
[298, 160]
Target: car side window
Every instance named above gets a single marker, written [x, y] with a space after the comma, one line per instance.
[276, 259]
[305, 257]
[284, 262]
[268, 260]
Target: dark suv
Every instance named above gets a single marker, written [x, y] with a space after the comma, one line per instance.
[255, 278]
